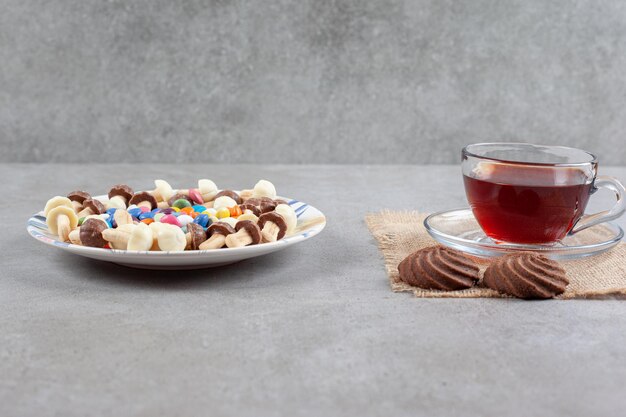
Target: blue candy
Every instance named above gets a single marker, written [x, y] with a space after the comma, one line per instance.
[111, 211]
[202, 220]
[147, 215]
[198, 208]
[135, 212]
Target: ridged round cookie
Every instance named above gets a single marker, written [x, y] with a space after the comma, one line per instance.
[439, 268]
[526, 275]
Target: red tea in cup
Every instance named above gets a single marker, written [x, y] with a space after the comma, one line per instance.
[522, 205]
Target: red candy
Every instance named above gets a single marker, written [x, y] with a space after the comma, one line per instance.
[168, 218]
[194, 194]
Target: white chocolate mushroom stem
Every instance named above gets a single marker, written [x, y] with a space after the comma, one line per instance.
[157, 195]
[117, 201]
[245, 195]
[214, 242]
[122, 217]
[239, 239]
[144, 204]
[63, 227]
[85, 212]
[270, 232]
[162, 205]
[74, 236]
[77, 206]
[118, 238]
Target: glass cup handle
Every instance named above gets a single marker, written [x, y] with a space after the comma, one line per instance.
[618, 209]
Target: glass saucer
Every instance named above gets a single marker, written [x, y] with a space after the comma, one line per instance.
[459, 229]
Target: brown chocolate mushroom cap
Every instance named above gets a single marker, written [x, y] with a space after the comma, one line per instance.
[254, 209]
[254, 201]
[252, 229]
[267, 205]
[229, 193]
[122, 190]
[275, 218]
[79, 196]
[278, 201]
[91, 233]
[220, 228]
[179, 196]
[95, 206]
[198, 235]
[144, 196]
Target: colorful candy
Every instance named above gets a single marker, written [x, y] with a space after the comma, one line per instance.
[222, 213]
[170, 219]
[181, 203]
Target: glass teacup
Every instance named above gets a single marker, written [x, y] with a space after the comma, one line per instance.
[534, 194]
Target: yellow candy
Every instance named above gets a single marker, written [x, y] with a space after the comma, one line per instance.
[222, 213]
[176, 209]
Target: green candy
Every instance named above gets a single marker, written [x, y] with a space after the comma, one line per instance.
[181, 203]
[157, 217]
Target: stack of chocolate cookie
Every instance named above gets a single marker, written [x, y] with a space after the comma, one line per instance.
[524, 275]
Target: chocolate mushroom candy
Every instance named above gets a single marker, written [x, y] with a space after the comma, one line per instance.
[171, 238]
[195, 236]
[77, 198]
[119, 196]
[91, 206]
[144, 199]
[217, 233]
[273, 226]
[264, 188]
[119, 236]
[140, 238]
[266, 205]
[289, 214]
[229, 193]
[207, 189]
[247, 233]
[91, 233]
[251, 208]
[163, 191]
[61, 220]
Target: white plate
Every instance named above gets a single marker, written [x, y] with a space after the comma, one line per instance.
[460, 230]
[311, 221]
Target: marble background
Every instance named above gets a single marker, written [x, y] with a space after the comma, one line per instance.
[310, 81]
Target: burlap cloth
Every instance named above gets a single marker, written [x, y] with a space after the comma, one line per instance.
[400, 233]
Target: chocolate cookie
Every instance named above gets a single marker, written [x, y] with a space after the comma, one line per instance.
[526, 275]
[439, 268]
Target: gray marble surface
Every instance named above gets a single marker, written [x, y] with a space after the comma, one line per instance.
[275, 81]
[310, 331]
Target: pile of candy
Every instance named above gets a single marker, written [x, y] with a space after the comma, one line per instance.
[172, 220]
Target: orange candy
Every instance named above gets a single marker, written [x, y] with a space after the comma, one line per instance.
[186, 210]
[194, 214]
[147, 221]
[235, 211]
